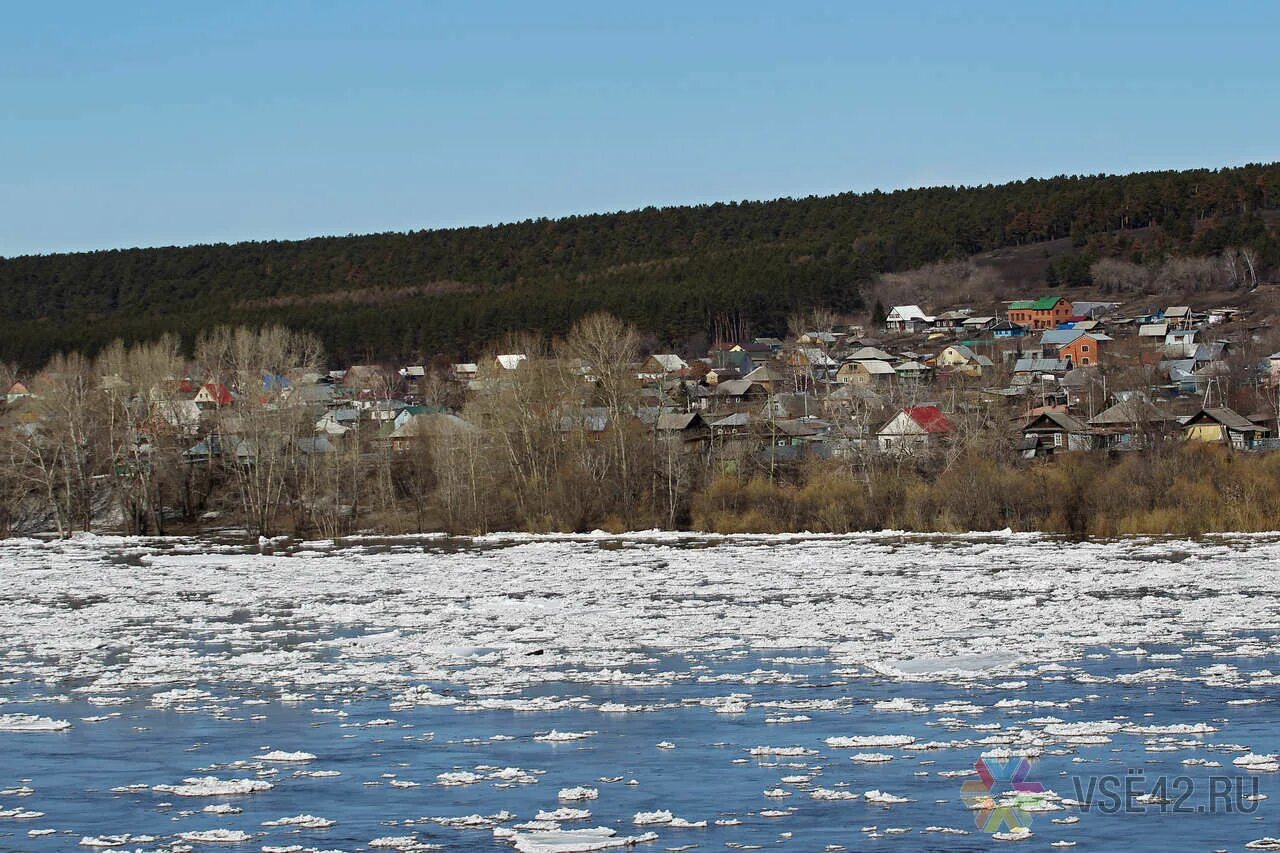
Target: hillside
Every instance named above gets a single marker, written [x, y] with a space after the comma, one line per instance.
[677, 272]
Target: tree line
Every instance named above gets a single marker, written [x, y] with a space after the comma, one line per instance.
[676, 272]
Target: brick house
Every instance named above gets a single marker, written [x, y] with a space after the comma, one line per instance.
[1084, 349]
[1043, 313]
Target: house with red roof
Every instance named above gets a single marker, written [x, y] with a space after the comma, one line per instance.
[213, 396]
[913, 428]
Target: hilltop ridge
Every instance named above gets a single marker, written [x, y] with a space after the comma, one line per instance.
[680, 273]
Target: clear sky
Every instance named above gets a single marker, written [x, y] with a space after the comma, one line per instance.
[158, 123]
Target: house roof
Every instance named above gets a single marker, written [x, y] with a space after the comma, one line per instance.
[1153, 330]
[1210, 352]
[1226, 417]
[511, 361]
[763, 373]
[868, 353]
[1008, 326]
[1091, 309]
[1133, 410]
[962, 351]
[1177, 311]
[793, 405]
[733, 387]
[815, 356]
[1044, 303]
[739, 419]
[906, 312]
[220, 394]
[1061, 337]
[795, 428]
[1061, 420]
[930, 418]
[432, 424]
[851, 391]
[1040, 365]
[911, 367]
[875, 367]
[675, 421]
[669, 362]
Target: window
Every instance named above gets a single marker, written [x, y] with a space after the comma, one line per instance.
[1084, 348]
[1084, 360]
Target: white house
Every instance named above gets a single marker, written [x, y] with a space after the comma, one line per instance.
[912, 429]
[907, 318]
[511, 361]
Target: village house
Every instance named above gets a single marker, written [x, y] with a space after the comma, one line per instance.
[1272, 367]
[1082, 349]
[510, 361]
[960, 360]
[1043, 313]
[1086, 310]
[913, 429]
[17, 391]
[1178, 317]
[791, 405]
[733, 393]
[180, 414]
[1153, 330]
[866, 372]
[950, 320]
[868, 352]
[977, 325]
[213, 395]
[766, 377]
[757, 349]
[1033, 366]
[1224, 426]
[907, 318]
[364, 378]
[429, 425]
[1008, 329]
[716, 375]
[1052, 432]
[1180, 343]
[736, 425]
[818, 339]
[662, 364]
[1131, 423]
[690, 428]
[338, 422]
[913, 373]
[812, 360]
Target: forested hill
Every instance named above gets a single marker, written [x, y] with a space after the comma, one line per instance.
[675, 271]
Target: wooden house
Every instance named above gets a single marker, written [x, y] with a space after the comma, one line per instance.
[1222, 425]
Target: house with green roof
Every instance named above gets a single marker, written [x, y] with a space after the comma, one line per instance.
[1043, 313]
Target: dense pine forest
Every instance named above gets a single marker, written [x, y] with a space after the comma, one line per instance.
[678, 273]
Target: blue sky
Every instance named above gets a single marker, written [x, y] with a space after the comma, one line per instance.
[159, 123]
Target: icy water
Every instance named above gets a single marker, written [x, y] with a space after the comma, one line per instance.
[540, 694]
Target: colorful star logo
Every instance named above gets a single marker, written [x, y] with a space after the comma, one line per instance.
[990, 814]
